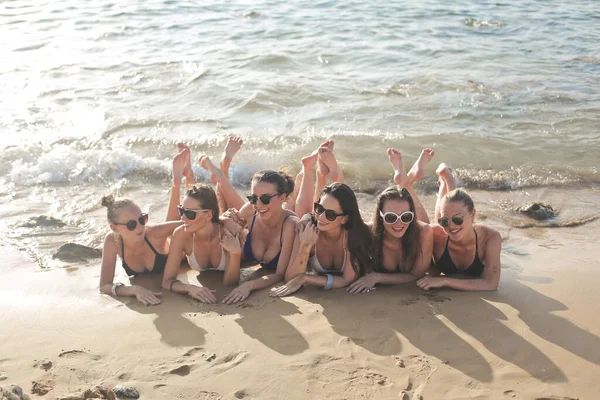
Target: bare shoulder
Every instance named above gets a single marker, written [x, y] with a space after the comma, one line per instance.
[163, 230]
[291, 221]
[489, 236]
[110, 241]
[438, 233]
[425, 229]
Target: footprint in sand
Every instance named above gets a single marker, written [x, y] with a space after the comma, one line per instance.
[78, 354]
[231, 360]
[556, 398]
[41, 387]
[182, 370]
[365, 376]
[193, 351]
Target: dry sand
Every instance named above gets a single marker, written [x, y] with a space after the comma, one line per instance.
[537, 337]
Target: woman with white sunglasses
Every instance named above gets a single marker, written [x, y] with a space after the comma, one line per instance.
[402, 245]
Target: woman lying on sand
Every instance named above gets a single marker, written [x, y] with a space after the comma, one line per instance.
[337, 248]
[271, 228]
[205, 242]
[461, 248]
[142, 249]
[402, 245]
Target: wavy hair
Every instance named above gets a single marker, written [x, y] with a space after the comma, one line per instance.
[359, 234]
[411, 241]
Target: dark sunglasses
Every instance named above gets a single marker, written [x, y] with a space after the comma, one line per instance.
[264, 198]
[132, 224]
[188, 212]
[329, 214]
[391, 218]
[456, 220]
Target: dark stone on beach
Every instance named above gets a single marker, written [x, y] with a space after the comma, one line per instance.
[3, 377]
[73, 252]
[240, 394]
[43, 221]
[125, 392]
[12, 392]
[538, 211]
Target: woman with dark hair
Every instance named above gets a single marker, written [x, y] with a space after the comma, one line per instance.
[143, 249]
[205, 242]
[271, 229]
[468, 254]
[402, 237]
[402, 245]
[336, 248]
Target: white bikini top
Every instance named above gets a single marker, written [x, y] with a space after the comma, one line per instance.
[194, 263]
[314, 263]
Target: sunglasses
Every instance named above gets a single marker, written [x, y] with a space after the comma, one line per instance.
[189, 212]
[391, 218]
[264, 198]
[329, 214]
[132, 224]
[456, 220]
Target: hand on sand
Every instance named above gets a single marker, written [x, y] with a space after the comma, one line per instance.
[308, 235]
[238, 294]
[231, 243]
[289, 288]
[147, 297]
[430, 282]
[364, 284]
[203, 294]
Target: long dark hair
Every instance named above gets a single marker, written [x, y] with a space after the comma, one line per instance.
[359, 234]
[411, 241]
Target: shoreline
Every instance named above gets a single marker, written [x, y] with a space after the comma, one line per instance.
[533, 338]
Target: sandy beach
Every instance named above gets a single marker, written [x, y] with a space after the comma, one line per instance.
[537, 337]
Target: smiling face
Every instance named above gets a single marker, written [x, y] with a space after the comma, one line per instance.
[398, 229]
[202, 217]
[330, 203]
[125, 214]
[267, 211]
[457, 209]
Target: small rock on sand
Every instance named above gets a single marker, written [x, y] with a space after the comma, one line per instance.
[12, 392]
[3, 377]
[73, 252]
[125, 392]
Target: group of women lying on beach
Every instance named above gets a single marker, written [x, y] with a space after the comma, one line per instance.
[330, 246]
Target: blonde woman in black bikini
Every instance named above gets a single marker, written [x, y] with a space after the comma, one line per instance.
[468, 254]
[142, 249]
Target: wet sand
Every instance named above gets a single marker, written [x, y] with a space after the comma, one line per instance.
[537, 337]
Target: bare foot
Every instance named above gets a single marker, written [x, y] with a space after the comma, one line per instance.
[309, 163]
[179, 162]
[328, 163]
[328, 143]
[216, 175]
[418, 169]
[444, 171]
[234, 144]
[399, 173]
[188, 173]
